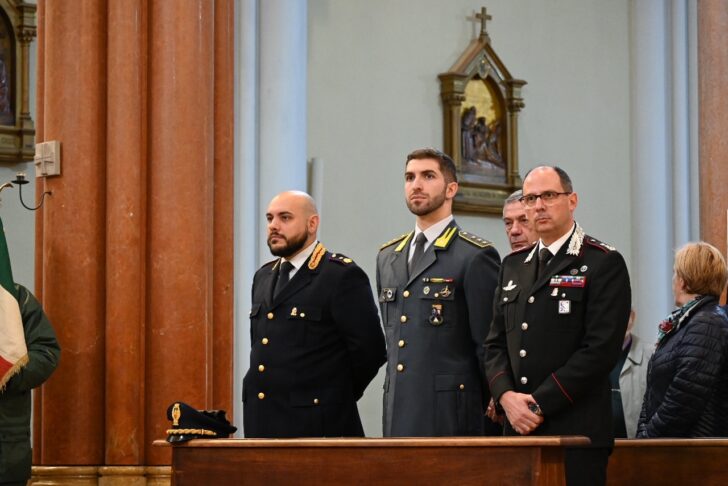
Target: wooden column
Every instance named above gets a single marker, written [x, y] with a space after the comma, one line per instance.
[134, 249]
[713, 86]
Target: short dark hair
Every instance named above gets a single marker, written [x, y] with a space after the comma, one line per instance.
[563, 176]
[447, 166]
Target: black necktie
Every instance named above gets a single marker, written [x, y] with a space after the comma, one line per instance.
[419, 250]
[283, 276]
[544, 255]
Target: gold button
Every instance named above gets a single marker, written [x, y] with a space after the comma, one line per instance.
[270, 315]
[401, 343]
[264, 341]
[400, 367]
[261, 368]
[462, 387]
[406, 293]
[303, 314]
[261, 396]
[315, 401]
[403, 319]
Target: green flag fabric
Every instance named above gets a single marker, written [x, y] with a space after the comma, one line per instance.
[13, 351]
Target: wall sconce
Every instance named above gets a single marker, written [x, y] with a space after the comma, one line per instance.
[21, 179]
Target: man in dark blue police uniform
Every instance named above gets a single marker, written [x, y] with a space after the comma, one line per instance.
[435, 288]
[316, 342]
[560, 315]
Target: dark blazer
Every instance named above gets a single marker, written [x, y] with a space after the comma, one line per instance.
[435, 384]
[314, 349]
[558, 339]
[687, 380]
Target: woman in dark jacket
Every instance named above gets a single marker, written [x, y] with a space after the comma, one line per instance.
[687, 381]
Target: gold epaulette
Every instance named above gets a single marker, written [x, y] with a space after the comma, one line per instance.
[444, 239]
[338, 257]
[475, 240]
[392, 242]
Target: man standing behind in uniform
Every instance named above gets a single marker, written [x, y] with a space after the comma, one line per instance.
[518, 228]
[435, 288]
[559, 320]
[316, 342]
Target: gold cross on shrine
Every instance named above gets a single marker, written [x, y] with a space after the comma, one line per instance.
[484, 18]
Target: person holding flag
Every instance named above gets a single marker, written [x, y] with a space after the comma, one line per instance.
[29, 353]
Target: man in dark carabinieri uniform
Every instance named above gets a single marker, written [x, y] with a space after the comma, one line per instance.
[560, 315]
[435, 287]
[316, 342]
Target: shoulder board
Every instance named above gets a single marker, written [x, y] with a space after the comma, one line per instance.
[392, 242]
[475, 240]
[598, 244]
[339, 258]
[524, 249]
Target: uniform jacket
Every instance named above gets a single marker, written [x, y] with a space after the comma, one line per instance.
[557, 337]
[435, 321]
[687, 381]
[43, 355]
[314, 349]
[633, 382]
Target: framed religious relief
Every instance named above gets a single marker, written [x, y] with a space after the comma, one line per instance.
[17, 31]
[481, 102]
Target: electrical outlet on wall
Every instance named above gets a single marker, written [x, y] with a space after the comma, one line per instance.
[47, 159]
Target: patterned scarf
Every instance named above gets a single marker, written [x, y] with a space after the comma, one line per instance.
[676, 318]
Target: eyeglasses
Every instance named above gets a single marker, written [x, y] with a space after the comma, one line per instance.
[548, 198]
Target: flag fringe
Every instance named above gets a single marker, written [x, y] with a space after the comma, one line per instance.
[13, 371]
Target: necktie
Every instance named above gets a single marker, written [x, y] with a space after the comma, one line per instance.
[283, 277]
[544, 255]
[419, 250]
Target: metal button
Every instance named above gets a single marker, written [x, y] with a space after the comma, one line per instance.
[303, 314]
[400, 367]
[462, 387]
[524, 380]
[406, 293]
[505, 299]
[270, 315]
[261, 368]
[401, 343]
[403, 319]
[261, 396]
[436, 295]
[315, 401]
[531, 299]
[522, 353]
[264, 341]
[524, 326]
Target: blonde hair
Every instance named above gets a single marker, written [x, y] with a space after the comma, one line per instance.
[702, 268]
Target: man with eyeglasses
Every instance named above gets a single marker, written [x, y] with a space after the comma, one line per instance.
[560, 316]
[435, 286]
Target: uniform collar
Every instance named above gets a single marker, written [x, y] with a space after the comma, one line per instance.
[432, 232]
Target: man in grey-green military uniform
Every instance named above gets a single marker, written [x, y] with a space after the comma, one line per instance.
[435, 287]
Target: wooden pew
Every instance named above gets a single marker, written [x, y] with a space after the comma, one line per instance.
[411, 461]
[662, 462]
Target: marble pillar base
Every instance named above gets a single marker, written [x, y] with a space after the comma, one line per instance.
[101, 476]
